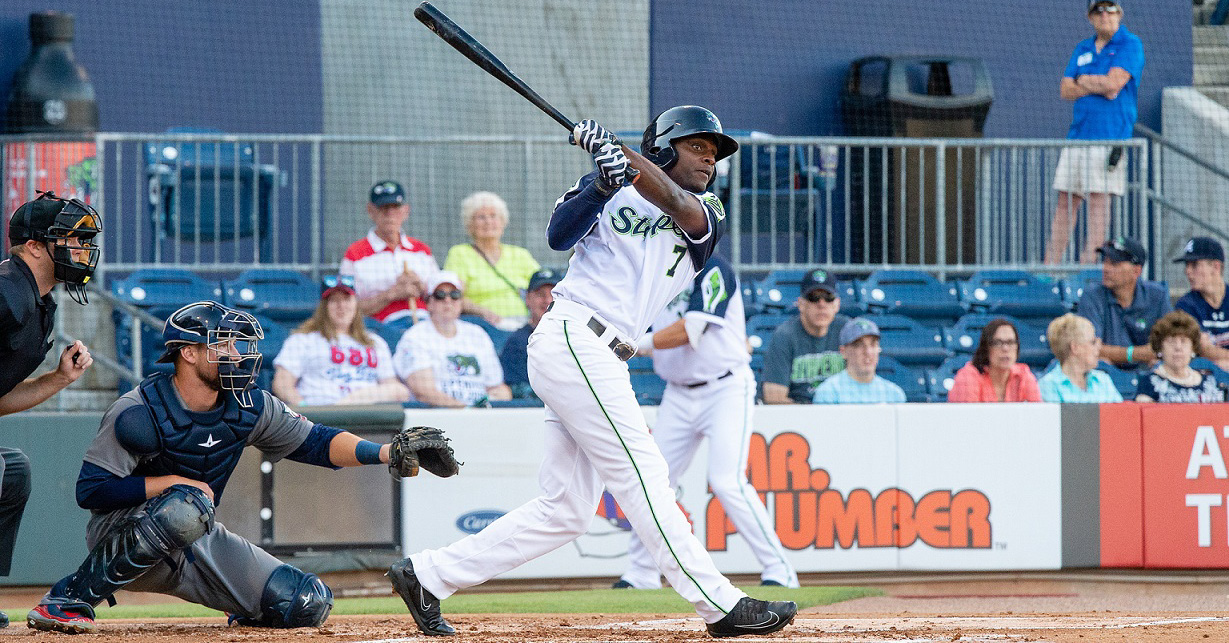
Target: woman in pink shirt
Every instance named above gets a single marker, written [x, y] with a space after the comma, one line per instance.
[994, 375]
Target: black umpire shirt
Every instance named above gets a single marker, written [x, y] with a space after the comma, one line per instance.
[26, 321]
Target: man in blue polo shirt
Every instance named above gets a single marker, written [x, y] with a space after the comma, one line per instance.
[1102, 77]
[1205, 270]
[1124, 307]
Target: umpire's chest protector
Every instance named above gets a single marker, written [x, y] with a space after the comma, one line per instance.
[179, 445]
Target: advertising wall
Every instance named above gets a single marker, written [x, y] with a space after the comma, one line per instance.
[852, 488]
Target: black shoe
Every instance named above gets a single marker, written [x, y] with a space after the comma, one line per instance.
[424, 606]
[751, 616]
[622, 584]
[4, 620]
[771, 583]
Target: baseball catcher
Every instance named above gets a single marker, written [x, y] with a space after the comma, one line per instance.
[160, 464]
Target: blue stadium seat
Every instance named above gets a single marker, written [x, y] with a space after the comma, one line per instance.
[1205, 364]
[760, 328]
[1073, 287]
[648, 386]
[911, 381]
[149, 287]
[963, 336]
[151, 339]
[284, 295]
[779, 289]
[910, 342]
[275, 336]
[1012, 292]
[498, 337]
[389, 333]
[850, 304]
[1125, 381]
[914, 293]
[940, 380]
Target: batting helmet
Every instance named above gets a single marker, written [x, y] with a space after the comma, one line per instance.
[679, 122]
[215, 325]
[55, 220]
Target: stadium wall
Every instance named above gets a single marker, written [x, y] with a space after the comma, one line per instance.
[795, 54]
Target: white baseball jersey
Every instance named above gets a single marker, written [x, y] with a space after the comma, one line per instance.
[329, 371]
[635, 260]
[464, 365]
[713, 298]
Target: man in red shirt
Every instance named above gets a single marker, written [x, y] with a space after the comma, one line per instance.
[390, 269]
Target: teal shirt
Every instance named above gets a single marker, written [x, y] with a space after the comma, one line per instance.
[1057, 387]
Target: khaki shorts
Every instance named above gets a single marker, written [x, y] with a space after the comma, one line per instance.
[1082, 170]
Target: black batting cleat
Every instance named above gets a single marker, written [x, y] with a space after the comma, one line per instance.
[622, 584]
[424, 606]
[751, 617]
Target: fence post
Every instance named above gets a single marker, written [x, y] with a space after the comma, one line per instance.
[735, 207]
[940, 209]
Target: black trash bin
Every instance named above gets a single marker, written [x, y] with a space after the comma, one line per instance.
[914, 97]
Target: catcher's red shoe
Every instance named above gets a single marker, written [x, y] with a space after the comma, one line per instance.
[69, 619]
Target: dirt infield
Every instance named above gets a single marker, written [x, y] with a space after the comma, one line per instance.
[975, 609]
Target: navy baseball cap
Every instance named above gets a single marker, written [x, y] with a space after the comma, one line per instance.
[1093, 5]
[1124, 249]
[819, 278]
[386, 192]
[1201, 248]
[856, 329]
[545, 277]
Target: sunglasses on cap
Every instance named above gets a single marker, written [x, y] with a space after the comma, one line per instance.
[440, 295]
[1105, 8]
[817, 295]
[332, 281]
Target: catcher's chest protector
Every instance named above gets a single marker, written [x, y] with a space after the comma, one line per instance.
[204, 452]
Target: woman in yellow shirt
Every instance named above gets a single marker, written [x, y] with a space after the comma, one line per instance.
[495, 274]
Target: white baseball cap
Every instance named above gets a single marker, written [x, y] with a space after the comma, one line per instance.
[444, 277]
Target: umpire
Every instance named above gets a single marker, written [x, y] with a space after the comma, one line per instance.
[52, 240]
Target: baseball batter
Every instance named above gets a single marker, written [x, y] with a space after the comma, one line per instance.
[635, 248]
[699, 347]
[159, 465]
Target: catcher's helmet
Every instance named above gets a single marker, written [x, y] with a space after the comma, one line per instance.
[215, 325]
[55, 220]
[679, 122]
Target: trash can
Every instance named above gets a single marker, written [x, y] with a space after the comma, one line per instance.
[914, 97]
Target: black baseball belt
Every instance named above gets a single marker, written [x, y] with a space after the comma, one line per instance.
[706, 383]
[622, 350]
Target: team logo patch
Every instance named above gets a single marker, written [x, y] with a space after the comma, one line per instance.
[714, 203]
[713, 290]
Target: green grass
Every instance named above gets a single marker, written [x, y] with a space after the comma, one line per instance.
[600, 601]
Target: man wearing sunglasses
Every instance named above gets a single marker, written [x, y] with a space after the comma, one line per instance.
[445, 361]
[805, 351]
[1102, 77]
[1124, 306]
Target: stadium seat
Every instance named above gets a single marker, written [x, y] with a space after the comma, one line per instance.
[390, 334]
[760, 328]
[913, 293]
[911, 381]
[963, 336]
[1073, 286]
[779, 290]
[909, 342]
[648, 386]
[498, 337]
[940, 380]
[149, 287]
[284, 295]
[1205, 364]
[850, 304]
[1125, 381]
[1012, 292]
[151, 339]
[275, 336]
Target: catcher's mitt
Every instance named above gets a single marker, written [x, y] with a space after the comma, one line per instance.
[423, 446]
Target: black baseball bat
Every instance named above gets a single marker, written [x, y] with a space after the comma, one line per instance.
[469, 46]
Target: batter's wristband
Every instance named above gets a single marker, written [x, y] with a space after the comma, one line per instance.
[367, 452]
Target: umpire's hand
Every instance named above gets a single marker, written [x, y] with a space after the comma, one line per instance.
[73, 361]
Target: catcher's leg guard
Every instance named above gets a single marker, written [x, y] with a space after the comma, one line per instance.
[292, 598]
[167, 523]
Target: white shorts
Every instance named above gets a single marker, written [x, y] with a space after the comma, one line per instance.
[1082, 170]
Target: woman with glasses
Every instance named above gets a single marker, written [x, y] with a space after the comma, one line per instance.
[1174, 337]
[332, 358]
[445, 361]
[994, 375]
[495, 273]
[1074, 341]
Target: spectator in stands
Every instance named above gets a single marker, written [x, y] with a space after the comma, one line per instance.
[495, 274]
[858, 383]
[803, 352]
[514, 356]
[1076, 378]
[389, 268]
[448, 362]
[1124, 307]
[1205, 270]
[1174, 338]
[1102, 77]
[332, 359]
[994, 375]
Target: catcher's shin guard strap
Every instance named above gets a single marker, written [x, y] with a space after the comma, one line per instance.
[169, 522]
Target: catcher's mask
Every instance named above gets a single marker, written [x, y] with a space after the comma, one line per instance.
[231, 337]
[68, 226]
